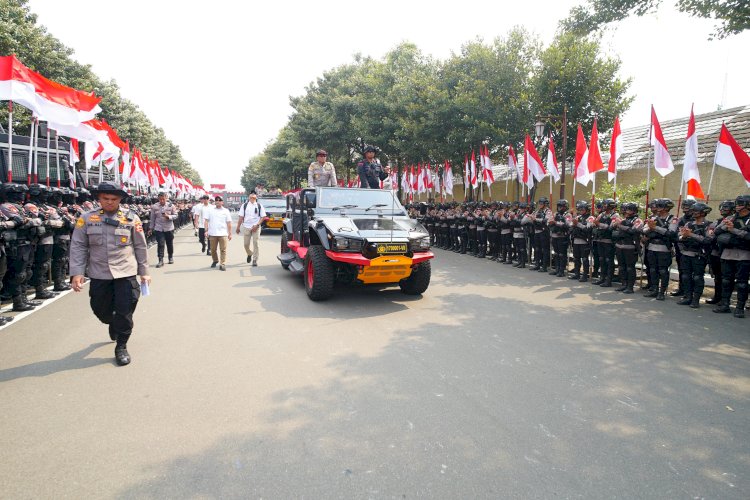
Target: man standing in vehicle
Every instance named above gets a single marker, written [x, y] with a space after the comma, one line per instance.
[252, 216]
[321, 172]
[370, 171]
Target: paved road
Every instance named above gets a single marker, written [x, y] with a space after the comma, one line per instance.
[498, 383]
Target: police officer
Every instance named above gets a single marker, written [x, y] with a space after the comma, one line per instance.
[626, 233]
[605, 246]
[542, 215]
[694, 244]
[163, 215]
[370, 171]
[110, 245]
[559, 224]
[726, 209]
[321, 172]
[581, 228]
[686, 217]
[661, 230]
[733, 235]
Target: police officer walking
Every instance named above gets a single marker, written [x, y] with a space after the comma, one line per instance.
[321, 172]
[163, 215]
[111, 246]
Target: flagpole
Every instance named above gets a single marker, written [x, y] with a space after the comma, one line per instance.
[648, 168]
[593, 189]
[30, 168]
[47, 155]
[10, 141]
[711, 180]
[57, 158]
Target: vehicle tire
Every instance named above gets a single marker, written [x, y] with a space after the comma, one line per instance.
[318, 273]
[284, 247]
[418, 281]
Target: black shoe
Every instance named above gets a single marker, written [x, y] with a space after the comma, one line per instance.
[574, 276]
[61, 287]
[34, 303]
[739, 312]
[43, 294]
[651, 294]
[222, 268]
[171, 260]
[677, 293]
[695, 303]
[621, 289]
[121, 355]
[583, 279]
[685, 301]
[597, 282]
[19, 305]
[5, 319]
[606, 284]
[628, 291]
[248, 259]
[660, 296]
[255, 264]
[213, 264]
[553, 272]
[714, 300]
[160, 263]
[534, 268]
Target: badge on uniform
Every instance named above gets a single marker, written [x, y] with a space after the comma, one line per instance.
[80, 222]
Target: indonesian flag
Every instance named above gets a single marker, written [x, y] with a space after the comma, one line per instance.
[473, 168]
[690, 175]
[595, 156]
[487, 176]
[421, 184]
[662, 160]
[582, 174]
[49, 100]
[533, 162]
[93, 153]
[125, 172]
[394, 180]
[75, 157]
[448, 178]
[467, 173]
[730, 155]
[615, 151]
[513, 161]
[552, 167]
[405, 180]
[159, 173]
[413, 181]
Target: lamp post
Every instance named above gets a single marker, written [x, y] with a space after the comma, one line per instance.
[556, 122]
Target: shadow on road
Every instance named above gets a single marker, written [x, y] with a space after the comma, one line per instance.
[74, 361]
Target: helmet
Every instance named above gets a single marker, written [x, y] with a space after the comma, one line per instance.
[726, 207]
[544, 200]
[700, 208]
[532, 205]
[522, 205]
[501, 205]
[598, 204]
[38, 189]
[742, 201]
[687, 203]
[562, 205]
[664, 203]
[629, 207]
[583, 206]
[370, 149]
[609, 204]
[14, 187]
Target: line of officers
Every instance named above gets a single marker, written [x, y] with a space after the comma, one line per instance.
[36, 222]
[607, 239]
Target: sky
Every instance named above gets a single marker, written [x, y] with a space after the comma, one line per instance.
[185, 65]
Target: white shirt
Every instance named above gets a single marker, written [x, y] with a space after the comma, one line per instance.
[201, 211]
[255, 212]
[217, 221]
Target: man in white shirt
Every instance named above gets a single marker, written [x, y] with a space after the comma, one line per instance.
[252, 216]
[218, 226]
[200, 212]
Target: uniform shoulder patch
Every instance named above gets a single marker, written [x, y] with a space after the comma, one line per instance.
[80, 222]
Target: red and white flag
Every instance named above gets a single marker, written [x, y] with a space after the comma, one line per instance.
[582, 174]
[448, 178]
[615, 151]
[662, 159]
[487, 176]
[513, 162]
[730, 155]
[75, 157]
[50, 101]
[467, 174]
[690, 175]
[533, 163]
[413, 180]
[594, 162]
[473, 168]
[421, 184]
[552, 167]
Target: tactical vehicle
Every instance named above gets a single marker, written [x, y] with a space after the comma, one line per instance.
[353, 236]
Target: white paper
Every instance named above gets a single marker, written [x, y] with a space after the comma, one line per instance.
[145, 292]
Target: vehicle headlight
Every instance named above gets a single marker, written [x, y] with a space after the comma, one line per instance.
[344, 244]
[418, 244]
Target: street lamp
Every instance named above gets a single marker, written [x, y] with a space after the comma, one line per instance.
[557, 122]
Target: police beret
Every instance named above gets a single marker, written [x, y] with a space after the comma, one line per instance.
[108, 188]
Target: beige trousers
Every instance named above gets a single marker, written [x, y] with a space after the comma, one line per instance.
[251, 237]
[221, 243]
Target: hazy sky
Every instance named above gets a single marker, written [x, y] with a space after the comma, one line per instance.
[185, 63]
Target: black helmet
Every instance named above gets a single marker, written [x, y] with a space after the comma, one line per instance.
[664, 203]
[582, 206]
[532, 205]
[522, 205]
[726, 207]
[544, 200]
[742, 201]
[38, 189]
[501, 205]
[598, 204]
[609, 203]
[700, 208]
[629, 207]
[14, 187]
[370, 149]
[687, 203]
[562, 204]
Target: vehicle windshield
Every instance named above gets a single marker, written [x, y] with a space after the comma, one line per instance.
[275, 204]
[361, 198]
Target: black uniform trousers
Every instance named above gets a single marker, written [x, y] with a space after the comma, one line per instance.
[692, 270]
[161, 238]
[541, 249]
[626, 259]
[659, 262]
[19, 257]
[734, 275]
[113, 302]
[581, 257]
[606, 252]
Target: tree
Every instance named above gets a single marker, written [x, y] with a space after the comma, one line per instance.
[733, 15]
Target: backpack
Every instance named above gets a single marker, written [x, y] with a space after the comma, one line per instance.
[257, 210]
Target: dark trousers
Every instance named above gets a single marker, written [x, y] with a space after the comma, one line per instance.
[42, 260]
[19, 257]
[692, 270]
[626, 258]
[734, 275]
[606, 253]
[541, 249]
[597, 260]
[660, 262]
[60, 260]
[581, 257]
[113, 302]
[560, 246]
[161, 238]
[715, 266]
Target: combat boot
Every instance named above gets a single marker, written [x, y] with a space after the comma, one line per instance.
[5, 319]
[696, 302]
[686, 300]
[122, 357]
[584, 278]
[574, 276]
[43, 294]
[661, 294]
[607, 283]
[160, 263]
[26, 300]
[61, 286]
[19, 305]
[723, 306]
